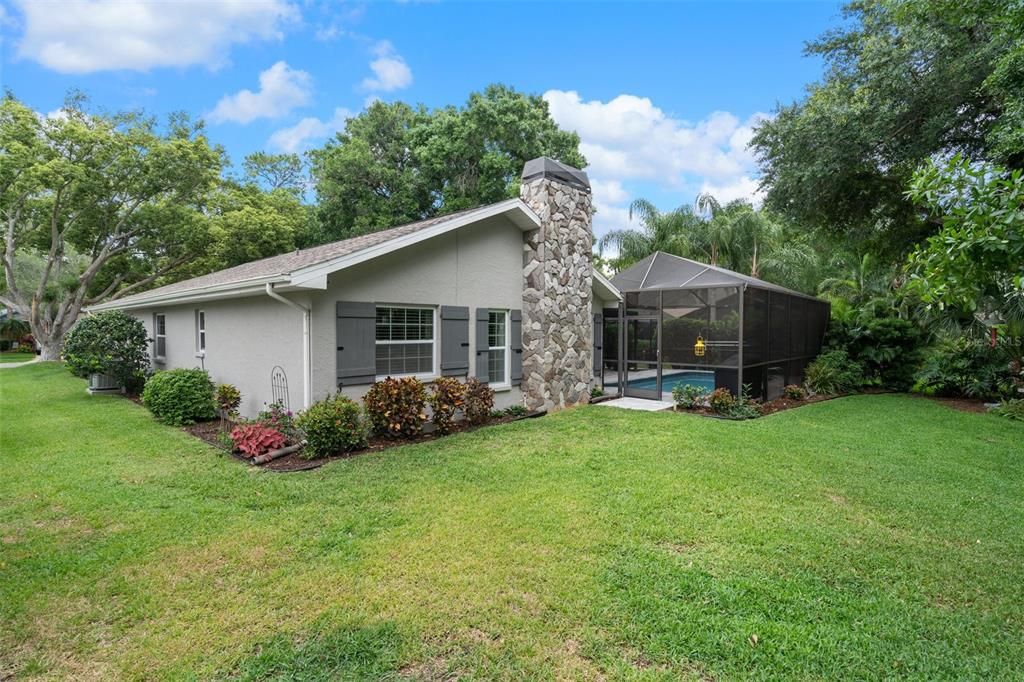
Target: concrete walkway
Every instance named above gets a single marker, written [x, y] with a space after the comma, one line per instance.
[9, 365]
[637, 404]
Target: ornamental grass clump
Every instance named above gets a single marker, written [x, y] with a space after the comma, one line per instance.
[397, 408]
[332, 425]
[447, 398]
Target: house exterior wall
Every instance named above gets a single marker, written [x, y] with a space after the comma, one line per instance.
[245, 339]
[479, 266]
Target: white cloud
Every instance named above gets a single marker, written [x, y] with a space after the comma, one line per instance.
[299, 136]
[282, 89]
[630, 140]
[83, 36]
[390, 72]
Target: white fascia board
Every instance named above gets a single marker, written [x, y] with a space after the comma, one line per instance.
[602, 284]
[517, 211]
[232, 290]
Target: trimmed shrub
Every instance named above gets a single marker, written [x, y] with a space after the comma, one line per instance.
[447, 396]
[228, 399]
[1011, 409]
[794, 392]
[688, 396]
[255, 439]
[112, 343]
[479, 401]
[834, 372]
[397, 407]
[721, 400]
[332, 425]
[180, 396]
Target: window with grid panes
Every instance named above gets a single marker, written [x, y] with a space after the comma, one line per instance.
[405, 341]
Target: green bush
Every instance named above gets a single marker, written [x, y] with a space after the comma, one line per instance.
[834, 372]
[397, 408]
[721, 400]
[332, 425]
[1011, 409]
[112, 343]
[688, 396]
[516, 410]
[966, 367]
[889, 349]
[447, 397]
[479, 401]
[180, 396]
[276, 417]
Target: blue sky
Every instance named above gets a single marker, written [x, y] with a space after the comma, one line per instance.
[663, 95]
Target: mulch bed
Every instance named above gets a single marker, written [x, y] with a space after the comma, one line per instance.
[209, 432]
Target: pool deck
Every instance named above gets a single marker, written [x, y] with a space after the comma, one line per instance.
[637, 404]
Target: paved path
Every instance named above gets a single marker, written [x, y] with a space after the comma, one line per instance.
[637, 404]
[9, 365]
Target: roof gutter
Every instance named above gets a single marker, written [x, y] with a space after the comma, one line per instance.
[307, 375]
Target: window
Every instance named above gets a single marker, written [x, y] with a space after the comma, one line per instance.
[497, 347]
[405, 341]
[160, 336]
[201, 332]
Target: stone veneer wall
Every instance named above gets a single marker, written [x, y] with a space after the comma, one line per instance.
[558, 344]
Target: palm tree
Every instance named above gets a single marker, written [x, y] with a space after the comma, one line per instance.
[672, 232]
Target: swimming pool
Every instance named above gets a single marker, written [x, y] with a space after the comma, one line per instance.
[669, 381]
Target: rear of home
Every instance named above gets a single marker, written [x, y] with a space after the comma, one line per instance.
[506, 293]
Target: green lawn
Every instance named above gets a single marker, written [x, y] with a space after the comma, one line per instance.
[873, 536]
[12, 356]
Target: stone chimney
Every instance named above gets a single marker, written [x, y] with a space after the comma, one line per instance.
[558, 344]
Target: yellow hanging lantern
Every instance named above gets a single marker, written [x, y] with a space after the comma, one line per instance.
[698, 348]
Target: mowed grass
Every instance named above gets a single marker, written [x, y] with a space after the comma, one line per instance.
[16, 357]
[867, 537]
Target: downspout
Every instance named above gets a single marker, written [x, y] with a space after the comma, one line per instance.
[307, 376]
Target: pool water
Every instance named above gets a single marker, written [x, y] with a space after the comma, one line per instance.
[704, 380]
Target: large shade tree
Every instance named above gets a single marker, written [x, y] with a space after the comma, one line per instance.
[906, 80]
[395, 163]
[110, 204]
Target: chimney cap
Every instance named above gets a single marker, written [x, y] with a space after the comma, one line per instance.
[546, 167]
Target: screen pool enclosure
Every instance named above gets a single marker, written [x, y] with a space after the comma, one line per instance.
[684, 322]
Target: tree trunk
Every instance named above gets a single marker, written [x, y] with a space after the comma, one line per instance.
[51, 348]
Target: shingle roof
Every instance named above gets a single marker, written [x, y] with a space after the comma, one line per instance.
[664, 271]
[287, 263]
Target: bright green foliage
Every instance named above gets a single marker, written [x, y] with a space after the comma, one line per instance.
[834, 372]
[889, 349]
[111, 342]
[274, 172]
[977, 259]
[396, 408]
[688, 396]
[332, 425]
[180, 396]
[248, 224]
[395, 164]
[906, 80]
[1011, 409]
[447, 397]
[852, 536]
[118, 196]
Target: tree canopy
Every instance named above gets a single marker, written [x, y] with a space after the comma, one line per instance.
[395, 163]
[906, 80]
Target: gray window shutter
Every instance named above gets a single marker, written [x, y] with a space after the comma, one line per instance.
[454, 340]
[482, 316]
[598, 343]
[357, 343]
[516, 346]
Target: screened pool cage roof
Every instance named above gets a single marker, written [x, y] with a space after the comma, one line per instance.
[664, 271]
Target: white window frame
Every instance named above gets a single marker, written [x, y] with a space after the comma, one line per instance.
[200, 333]
[507, 383]
[422, 376]
[157, 337]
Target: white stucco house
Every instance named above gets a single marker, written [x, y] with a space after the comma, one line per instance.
[506, 293]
